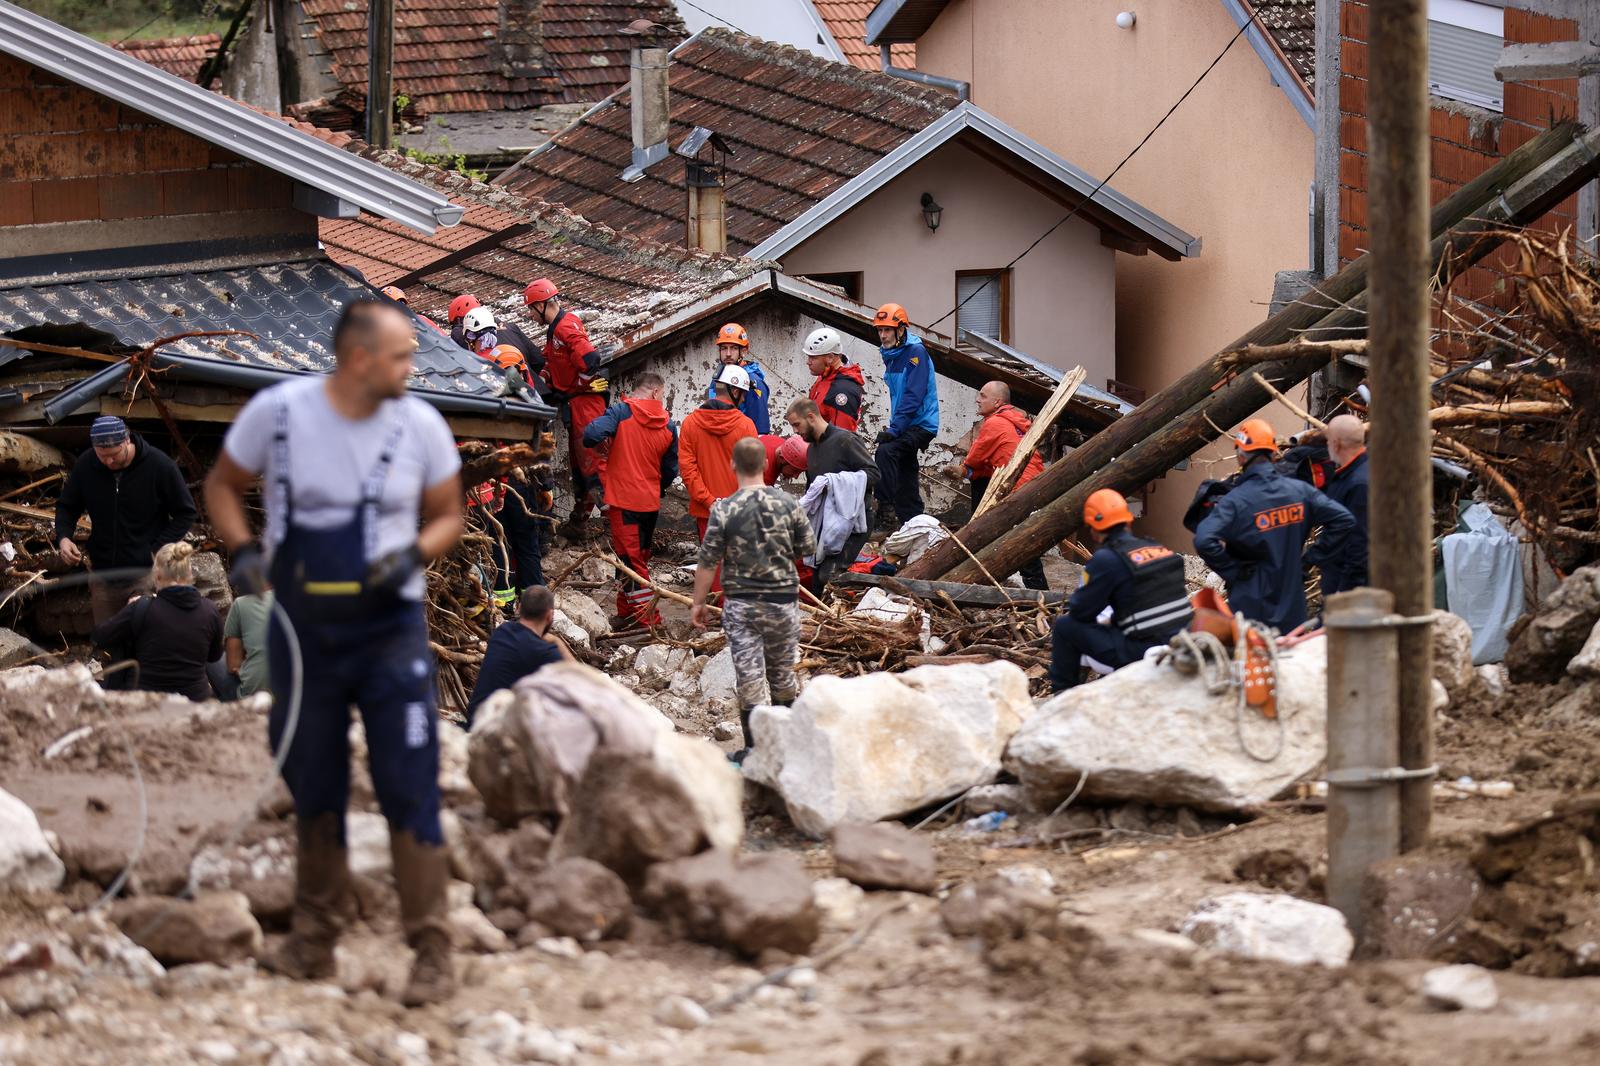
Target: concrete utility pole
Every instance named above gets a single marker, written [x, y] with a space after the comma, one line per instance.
[380, 73]
[1397, 334]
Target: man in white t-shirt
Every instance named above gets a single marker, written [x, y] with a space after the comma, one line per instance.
[362, 489]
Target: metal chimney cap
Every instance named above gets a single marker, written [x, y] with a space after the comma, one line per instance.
[697, 140]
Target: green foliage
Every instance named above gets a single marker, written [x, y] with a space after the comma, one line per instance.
[116, 20]
[453, 161]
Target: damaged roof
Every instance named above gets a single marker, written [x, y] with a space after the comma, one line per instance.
[616, 281]
[847, 21]
[800, 127]
[182, 57]
[448, 55]
[291, 309]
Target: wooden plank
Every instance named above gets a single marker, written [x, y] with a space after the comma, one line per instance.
[183, 412]
[1001, 483]
[963, 594]
[37, 513]
[1547, 62]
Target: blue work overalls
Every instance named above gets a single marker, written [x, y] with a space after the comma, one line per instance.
[357, 646]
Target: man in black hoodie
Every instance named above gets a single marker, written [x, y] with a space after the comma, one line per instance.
[136, 500]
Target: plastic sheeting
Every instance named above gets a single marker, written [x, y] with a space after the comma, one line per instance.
[1483, 580]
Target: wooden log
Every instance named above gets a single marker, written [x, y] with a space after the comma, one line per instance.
[21, 454]
[1038, 519]
[965, 595]
[1000, 484]
[1467, 414]
[1463, 215]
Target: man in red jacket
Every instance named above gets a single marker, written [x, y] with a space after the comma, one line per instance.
[1002, 429]
[641, 461]
[571, 366]
[838, 388]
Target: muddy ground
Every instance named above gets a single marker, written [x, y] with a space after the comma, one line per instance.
[1099, 988]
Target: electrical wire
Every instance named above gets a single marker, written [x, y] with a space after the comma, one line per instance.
[1107, 179]
[719, 18]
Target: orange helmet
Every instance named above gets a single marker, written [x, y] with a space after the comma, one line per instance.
[1106, 508]
[539, 291]
[460, 306]
[395, 293]
[1255, 435]
[506, 356]
[733, 333]
[890, 315]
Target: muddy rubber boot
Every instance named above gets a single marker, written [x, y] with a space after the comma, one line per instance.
[321, 880]
[421, 872]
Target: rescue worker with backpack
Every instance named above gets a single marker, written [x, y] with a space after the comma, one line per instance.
[1254, 536]
[1139, 579]
[913, 418]
[838, 388]
[733, 349]
[572, 370]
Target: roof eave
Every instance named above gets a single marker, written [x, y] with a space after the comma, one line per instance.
[902, 21]
[1284, 74]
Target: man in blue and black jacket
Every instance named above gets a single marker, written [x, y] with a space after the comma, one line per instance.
[913, 415]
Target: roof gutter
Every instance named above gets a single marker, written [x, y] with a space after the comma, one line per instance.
[963, 90]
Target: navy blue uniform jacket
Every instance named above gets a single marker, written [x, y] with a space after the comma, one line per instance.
[1348, 488]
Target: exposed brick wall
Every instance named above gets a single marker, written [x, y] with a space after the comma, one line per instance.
[1466, 140]
[72, 155]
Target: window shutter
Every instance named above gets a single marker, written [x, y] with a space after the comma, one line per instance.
[982, 312]
[1461, 65]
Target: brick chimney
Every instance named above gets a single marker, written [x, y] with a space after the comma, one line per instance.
[518, 50]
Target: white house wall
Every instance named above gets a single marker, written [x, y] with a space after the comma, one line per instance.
[791, 22]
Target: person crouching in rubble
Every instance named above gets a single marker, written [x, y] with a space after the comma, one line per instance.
[362, 489]
[171, 635]
[755, 536]
[840, 501]
[1140, 580]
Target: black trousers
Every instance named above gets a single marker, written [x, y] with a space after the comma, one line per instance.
[1033, 571]
[899, 473]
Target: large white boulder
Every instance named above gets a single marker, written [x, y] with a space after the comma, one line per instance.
[717, 679]
[862, 749]
[1148, 733]
[27, 862]
[1280, 928]
[584, 613]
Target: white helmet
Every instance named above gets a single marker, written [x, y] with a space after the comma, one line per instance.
[823, 341]
[478, 319]
[735, 377]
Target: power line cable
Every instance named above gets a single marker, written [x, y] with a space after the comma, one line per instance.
[719, 18]
[1107, 180]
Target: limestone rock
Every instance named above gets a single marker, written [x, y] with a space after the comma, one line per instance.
[562, 625]
[213, 927]
[998, 907]
[584, 613]
[1463, 987]
[1452, 654]
[985, 799]
[1414, 906]
[658, 664]
[885, 855]
[366, 836]
[839, 901]
[681, 1012]
[1547, 641]
[717, 681]
[1276, 927]
[748, 903]
[27, 862]
[863, 749]
[579, 898]
[262, 869]
[1148, 733]
[454, 783]
[15, 649]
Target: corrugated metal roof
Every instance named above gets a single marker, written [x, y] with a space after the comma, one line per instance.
[290, 307]
[219, 120]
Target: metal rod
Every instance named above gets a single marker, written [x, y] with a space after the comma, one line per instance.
[1363, 734]
[380, 73]
[1397, 329]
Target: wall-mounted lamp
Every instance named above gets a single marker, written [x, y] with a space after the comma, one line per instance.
[931, 211]
[1126, 19]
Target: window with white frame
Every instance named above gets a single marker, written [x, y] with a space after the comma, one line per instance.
[1464, 42]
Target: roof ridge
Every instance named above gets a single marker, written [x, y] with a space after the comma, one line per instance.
[833, 69]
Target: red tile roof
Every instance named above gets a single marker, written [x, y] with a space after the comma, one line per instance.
[617, 282]
[183, 56]
[444, 51]
[847, 21]
[800, 127]
[1293, 27]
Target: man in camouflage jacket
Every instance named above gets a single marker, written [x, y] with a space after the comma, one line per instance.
[756, 535]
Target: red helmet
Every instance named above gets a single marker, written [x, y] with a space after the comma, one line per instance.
[395, 293]
[539, 291]
[890, 315]
[733, 333]
[461, 305]
[1255, 435]
[1106, 508]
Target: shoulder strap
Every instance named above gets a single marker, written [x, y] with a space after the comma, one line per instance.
[279, 504]
[372, 489]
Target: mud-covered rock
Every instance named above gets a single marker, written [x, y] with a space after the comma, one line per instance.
[885, 855]
[579, 898]
[1273, 927]
[1452, 655]
[213, 927]
[1543, 644]
[748, 903]
[1415, 906]
[998, 907]
[260, 865]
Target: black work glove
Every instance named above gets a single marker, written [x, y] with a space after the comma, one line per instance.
[884, 436]
[388, 572]
[249, 573]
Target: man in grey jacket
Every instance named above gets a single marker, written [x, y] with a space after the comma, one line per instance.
[831, 450]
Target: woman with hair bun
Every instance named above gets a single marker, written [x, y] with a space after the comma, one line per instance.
[171, 635]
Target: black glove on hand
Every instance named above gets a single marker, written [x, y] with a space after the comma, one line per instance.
[884, 436]
[388, 572]
[249, 573]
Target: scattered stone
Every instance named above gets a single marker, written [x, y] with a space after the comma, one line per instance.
[1414, 906]
[509, 1040]
[885, 855]
[214, 927]
[584, 612]
[15, 649]
[1463, 987]
[717, 680]
[986, 799]
[1165, 941]
[1542, 645]
[27, 862]
[37, 992]
[263, 869]
[748, 903]
[472, 929]
[454, 783]
[658, 664]
[997, 907]
[568, 630]
[867, 748]
[839, 901]
[1150, 734]
[217, 1051]
[727, 729]
[681, 1012]
[1275, 927]
[562, 947]
[366, 836]
[1452, 654]
[1493, 676]
[579, 898]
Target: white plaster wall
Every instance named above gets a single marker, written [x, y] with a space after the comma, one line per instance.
[791, 22]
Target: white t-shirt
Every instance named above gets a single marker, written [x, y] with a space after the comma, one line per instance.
[331, 457]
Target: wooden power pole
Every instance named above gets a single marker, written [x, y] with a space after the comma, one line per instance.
[380, 73]
[1399, 439]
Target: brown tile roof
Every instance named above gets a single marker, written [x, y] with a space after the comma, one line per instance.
[847, 21]
[444, 58]
[1293, 26]
[183, 56]
[800, 127]
[617, 282]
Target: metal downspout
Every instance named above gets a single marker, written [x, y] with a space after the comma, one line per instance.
[963, 90]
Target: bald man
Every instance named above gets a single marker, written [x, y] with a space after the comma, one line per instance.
[1347, 485]
[1002, 429]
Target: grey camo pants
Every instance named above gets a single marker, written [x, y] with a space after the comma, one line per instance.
[765, 638]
